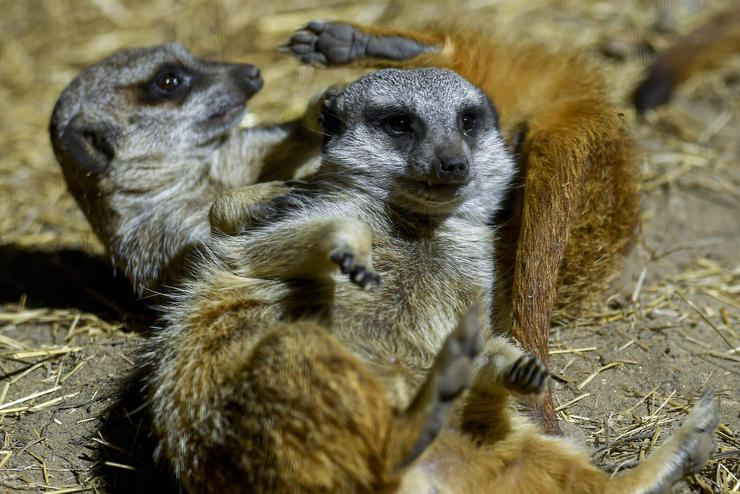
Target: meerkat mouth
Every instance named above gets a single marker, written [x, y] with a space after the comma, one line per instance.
[220, 122]
[228, 115]
[427, 194]
[432, 191]
[440, 191]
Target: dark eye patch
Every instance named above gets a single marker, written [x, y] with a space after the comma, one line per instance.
[170, 82]
[397, 125]
[470, 121]
[394, 121]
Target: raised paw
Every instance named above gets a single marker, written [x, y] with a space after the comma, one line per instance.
[326, 43]
[358, 272]
[334, 43]
[528, 375]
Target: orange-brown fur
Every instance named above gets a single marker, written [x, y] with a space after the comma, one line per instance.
[576, 210]
[705, 47]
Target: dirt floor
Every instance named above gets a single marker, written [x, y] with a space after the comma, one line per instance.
[71, 414]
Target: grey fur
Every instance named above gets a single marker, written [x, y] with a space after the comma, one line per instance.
[434, 99]
[144, 170]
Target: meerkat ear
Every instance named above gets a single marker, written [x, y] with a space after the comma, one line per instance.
[494, 112]
[329, 119]
[89, 145]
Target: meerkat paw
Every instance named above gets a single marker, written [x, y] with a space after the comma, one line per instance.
[250, 206]
[312, 118]
[528, 375]
[696, 434]
[334, 43]
[357, 268]
[452, 374]
[454, 366]
[326, 43]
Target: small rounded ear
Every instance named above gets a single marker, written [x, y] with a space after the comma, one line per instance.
[89, 145]
[329, 119]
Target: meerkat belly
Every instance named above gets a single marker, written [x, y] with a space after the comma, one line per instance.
[398, 330]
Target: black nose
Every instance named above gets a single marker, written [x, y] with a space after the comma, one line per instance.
[453, 170]
[248, 78]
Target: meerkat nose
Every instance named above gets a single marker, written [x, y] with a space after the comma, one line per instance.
[249, 78]
[452, 170]
[252, 71]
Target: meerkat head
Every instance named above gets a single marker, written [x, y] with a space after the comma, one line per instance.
[136, 135]
[146, 105]
[425, 140]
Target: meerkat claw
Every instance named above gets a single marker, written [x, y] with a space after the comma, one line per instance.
[359, 274]
[364, 278]
[344, 259]
[528, 375]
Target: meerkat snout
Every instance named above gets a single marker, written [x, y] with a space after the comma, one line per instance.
[450, 167]
[248, 78]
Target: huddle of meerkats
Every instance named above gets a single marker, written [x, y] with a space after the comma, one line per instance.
[338, 323]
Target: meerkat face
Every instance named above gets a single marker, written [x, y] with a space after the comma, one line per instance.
[426, 139]
[147, 105]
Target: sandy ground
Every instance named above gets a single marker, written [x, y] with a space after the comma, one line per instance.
[70, 407]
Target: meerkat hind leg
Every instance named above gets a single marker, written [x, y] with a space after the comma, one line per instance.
[684, 453]
[452, 373]
[334, 43]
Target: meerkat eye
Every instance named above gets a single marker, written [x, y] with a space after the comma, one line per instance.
[168, 81]
[397, 125]
[468, 123]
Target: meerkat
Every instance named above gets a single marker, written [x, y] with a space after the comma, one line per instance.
[705, 47]
[324, 350]
[148, 139]
[88, 152]
[573, 210]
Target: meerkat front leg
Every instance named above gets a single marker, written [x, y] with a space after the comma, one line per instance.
[248, 206]
[290, 158]
[504, 365]
[501, 368]
[311, 248]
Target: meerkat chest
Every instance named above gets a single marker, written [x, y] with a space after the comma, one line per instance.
[398, 330]
[426, 285]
